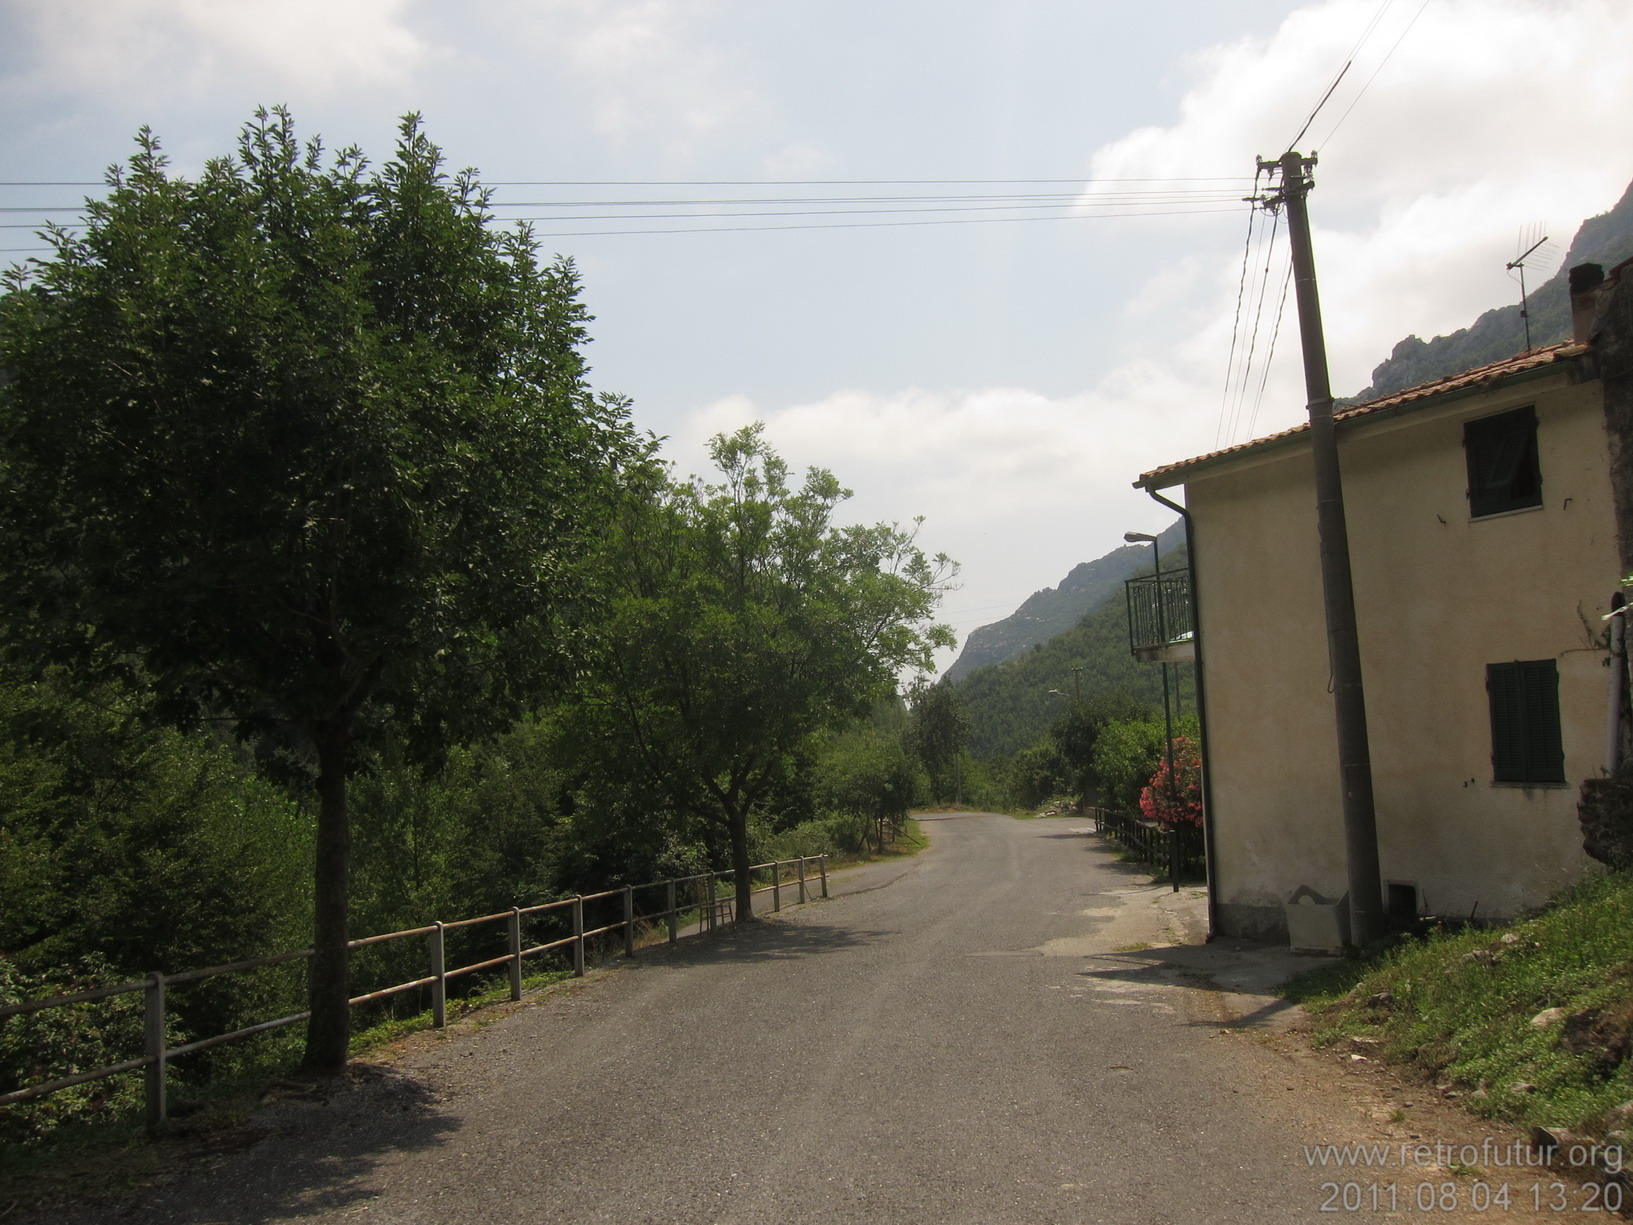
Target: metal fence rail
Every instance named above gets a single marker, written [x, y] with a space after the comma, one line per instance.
[682, 894]
[1159, 608]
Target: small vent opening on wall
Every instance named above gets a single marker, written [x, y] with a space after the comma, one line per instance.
[1402, 904]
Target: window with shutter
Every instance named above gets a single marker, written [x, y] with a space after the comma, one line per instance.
[1525, 736]
[1501, 453]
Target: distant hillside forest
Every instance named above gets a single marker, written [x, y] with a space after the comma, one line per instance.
[1054, 610]
[1012, 705]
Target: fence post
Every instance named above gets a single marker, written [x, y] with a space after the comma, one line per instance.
[578, 936]
[439, 980]
[802, 879]
[515, 952]
[153, 1043]
[822, 865]
[629, 920]
[674, 918]
[702, 907]
[776, 886]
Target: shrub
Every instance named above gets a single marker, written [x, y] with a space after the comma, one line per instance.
[1174, 797]
[36, 1047]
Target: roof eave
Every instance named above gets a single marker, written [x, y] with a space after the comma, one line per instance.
[1177, 474]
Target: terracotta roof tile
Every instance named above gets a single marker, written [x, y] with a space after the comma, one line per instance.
[1495, 372]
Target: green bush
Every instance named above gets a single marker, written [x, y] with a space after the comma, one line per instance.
[1127, 755]
[828, 835]
[37, 1047]
[159, 849]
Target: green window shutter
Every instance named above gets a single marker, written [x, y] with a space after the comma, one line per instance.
[1526, 744]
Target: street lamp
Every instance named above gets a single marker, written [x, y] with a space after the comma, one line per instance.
[1167, 709]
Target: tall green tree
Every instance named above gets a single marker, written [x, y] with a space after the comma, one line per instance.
[1078, 730]
[868, 777]
[938, 730]
[307, 443]
[742, 620]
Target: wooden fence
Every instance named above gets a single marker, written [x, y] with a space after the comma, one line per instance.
[701, 893]
[1147, 841]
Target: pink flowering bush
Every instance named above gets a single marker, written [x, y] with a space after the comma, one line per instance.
[1181, 803]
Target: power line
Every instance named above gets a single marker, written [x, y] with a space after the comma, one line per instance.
[995, 200]
[1270, 355]
[1229, 178]
[1236, 321]
[1319, 105]
[731, 229]
[1085, 182]
[1269, 245]
[1375, 72]
[1348, 61]
[860, 225]
[832, 212]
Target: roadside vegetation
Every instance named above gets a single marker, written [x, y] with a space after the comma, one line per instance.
[1531, 1023]
[334, 601]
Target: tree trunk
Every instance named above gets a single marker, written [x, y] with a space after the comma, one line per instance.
[328, 1031]
[737, 823]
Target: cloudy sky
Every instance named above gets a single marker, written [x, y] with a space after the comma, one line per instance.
[1005, 372]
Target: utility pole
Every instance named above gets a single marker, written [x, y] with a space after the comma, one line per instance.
[1343, 646]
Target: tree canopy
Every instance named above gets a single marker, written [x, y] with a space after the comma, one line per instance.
[308, 444]
[938, 730]
[741, 620]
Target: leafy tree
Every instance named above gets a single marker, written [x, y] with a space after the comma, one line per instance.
[741, 622]
[1078, 729]
[310, 442]
[1128, 753]
[938, 731]
[869, 778]
[1036, 773]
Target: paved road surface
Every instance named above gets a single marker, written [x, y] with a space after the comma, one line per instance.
[952, 1038]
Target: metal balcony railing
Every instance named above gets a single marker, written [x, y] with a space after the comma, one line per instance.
[1160, 625]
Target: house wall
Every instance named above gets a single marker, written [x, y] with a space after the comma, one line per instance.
[1438, 597]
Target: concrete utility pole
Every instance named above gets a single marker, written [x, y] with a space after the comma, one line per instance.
[1343, 646]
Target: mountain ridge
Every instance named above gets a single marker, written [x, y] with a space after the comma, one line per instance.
[1052, 611]
[1500, 332]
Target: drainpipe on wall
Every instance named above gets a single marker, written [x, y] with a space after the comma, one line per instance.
[1618, 680]
[1201, 713]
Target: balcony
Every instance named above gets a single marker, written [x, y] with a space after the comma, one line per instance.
[1160, 627]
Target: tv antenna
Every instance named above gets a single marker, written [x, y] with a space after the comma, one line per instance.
[1518, 262]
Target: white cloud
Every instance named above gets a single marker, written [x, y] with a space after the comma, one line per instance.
[656, 72]
[1421, 193]
[1424, 186]
[1019, 487]
[798, 161]
[160, 47]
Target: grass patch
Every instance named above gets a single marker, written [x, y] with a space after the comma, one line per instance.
[1472, 1009]
[388, 1032]
[911, 842]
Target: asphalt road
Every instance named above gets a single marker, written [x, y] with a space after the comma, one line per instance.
[950, 1038]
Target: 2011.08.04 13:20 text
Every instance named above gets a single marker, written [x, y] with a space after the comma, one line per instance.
[1450, 1195]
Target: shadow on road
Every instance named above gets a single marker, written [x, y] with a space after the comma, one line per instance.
[1241, 999]
[305, 1155]
[760, 940]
